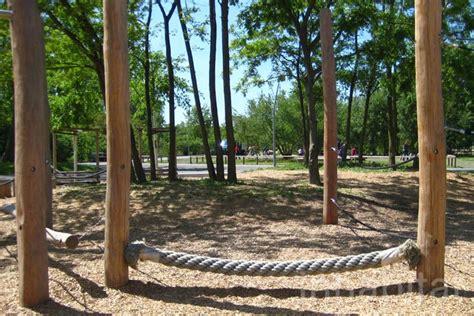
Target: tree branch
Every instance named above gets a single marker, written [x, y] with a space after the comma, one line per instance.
[168, 16]
[69, 66]
[71, 35]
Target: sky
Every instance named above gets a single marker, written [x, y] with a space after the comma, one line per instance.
[201, 60]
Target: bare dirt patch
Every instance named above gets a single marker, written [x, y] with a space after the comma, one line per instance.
[269, 215]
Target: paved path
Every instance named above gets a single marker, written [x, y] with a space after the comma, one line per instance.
[188, 170]
[200, 170]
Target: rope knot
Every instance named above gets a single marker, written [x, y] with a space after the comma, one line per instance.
[411, 253]
[132, 253]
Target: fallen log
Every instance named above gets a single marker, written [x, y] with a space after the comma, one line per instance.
[61, 239]
[58, 238]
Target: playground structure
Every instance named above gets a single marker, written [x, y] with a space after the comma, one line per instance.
[156, 142]
[33, 174]
[66, 177]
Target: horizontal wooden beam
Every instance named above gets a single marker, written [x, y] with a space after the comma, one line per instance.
[78, 130]
[160, 130]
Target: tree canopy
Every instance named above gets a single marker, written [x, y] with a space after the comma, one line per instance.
[271, 41]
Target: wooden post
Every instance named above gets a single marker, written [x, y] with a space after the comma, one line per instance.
[118, 141]
[32, 170]
[74, 148]
[431, 143]
[330, 119]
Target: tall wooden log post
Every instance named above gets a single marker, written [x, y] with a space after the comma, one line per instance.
[330, 118]
[431, 143]
[118, 141]
[32, 170]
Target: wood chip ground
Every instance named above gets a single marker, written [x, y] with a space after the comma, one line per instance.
[269, 215]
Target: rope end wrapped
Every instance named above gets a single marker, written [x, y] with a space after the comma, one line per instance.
[132, 253]
[411, 253]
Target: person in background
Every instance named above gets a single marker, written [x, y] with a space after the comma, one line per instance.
[354, 151]
[343, 152]
[405, 151]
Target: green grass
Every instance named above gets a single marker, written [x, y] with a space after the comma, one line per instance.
[6, 168]
[465, 162]
[290, 165]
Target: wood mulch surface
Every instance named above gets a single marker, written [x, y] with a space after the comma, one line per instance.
[269, 215]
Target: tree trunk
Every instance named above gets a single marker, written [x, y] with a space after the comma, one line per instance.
[149, 114]
[172, 161]
[395, 112]
[137, 162]
[99, 70]
[351, 98]
[231, 169]
[8, 154]
[133, 176]
[313, 168]
[330, 215]
[9, 151]
[197, 99]
[368, 95]
[212, 92]
[304, 119]
[391, 112]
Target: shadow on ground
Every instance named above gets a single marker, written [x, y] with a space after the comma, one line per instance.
[258, 218]
[208, 297]
[217, 213]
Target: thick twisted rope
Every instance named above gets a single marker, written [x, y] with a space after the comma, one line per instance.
[139, 251]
